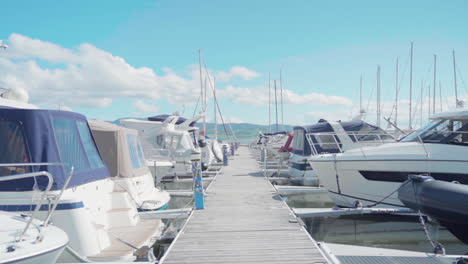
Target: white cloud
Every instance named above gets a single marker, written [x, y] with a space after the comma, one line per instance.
[143, 107]
[236, 71]
[259, 96]
[85, 76]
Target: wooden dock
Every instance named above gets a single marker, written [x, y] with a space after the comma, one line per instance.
[244, 222]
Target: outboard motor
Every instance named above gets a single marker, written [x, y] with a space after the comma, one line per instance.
[444, 201]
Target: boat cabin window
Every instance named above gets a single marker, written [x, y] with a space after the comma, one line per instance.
[327, 143]
[134, 149]
[298, 141]
[76, 146]
[441, 131]
[13, 148]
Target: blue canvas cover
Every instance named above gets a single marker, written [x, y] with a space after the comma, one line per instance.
[162, 118]
[50, 136]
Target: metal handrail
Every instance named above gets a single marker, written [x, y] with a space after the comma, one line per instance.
[380, 140]
[44, 195]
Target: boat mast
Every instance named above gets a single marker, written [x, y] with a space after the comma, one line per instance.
[276, 107]
[440, 94]
[435, 85]
[215, 118]
[378, 95]
[422, 102]
[455, 79]
[202, 96]
[429, 101]
[411, 83]
[281, 96]
[396, 94]
[269, 103]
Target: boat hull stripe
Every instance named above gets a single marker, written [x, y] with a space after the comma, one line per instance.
[44, 207]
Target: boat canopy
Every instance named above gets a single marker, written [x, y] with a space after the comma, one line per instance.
[48, 136]
[162, 118]
[120, 149]
[301, 145]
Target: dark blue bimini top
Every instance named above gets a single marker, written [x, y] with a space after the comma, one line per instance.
[48, 136]
[162, 118]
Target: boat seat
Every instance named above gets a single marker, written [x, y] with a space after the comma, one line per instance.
[145, 233]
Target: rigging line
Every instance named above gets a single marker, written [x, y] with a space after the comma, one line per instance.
[196, 106]
[216, 101]
[461, 78]
[400, 81]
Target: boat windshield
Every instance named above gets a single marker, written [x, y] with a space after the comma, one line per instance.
[441, 131]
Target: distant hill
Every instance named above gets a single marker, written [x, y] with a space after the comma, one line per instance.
[245, 132]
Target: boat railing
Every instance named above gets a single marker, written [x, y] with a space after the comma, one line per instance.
[332, 142]
[50, 181]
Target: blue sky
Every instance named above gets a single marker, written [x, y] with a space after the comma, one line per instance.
[322, 47]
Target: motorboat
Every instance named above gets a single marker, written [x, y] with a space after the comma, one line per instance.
[38, 245]
[327, 137]
[372, 174]
[25, 239]
[100, 219]
[169, 138]
[122, 153]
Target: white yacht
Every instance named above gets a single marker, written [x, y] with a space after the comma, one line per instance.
[101, 221]
[328, 137]
[24, 239]
[372, 173]
[172, 137]
[38, 245]
[122, 153]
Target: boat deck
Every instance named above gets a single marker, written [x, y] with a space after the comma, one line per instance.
[244, 222]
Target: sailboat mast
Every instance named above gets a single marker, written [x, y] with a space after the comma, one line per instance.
[215, 115]
[202, 97]
[281, 96]
[435, 85]
[396, 94]
[276, 107]
[378, 95]
[411, 84]
[440, 94]
[269, 103]
[429, 101]
[360, 97]
[455, 78]
[422, 102]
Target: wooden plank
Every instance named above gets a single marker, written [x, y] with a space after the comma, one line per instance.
[245, 221]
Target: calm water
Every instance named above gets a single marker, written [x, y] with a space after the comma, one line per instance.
[394, 232]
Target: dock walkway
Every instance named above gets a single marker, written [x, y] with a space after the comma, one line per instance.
[244, 222]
